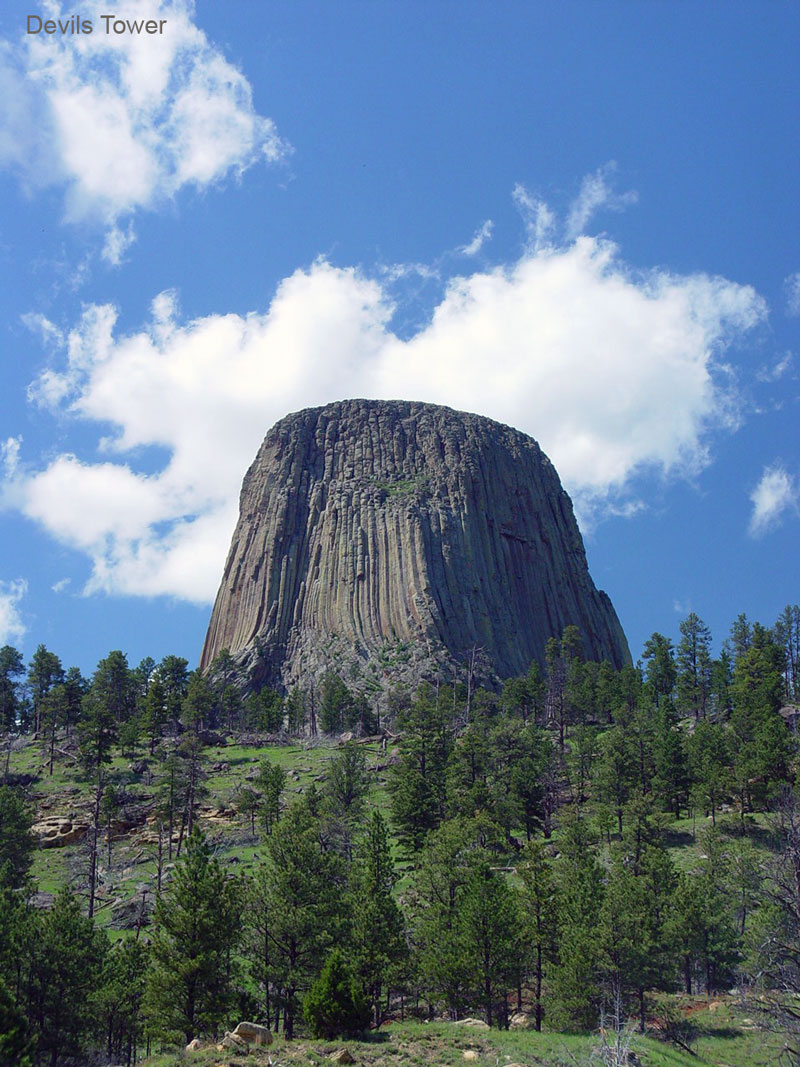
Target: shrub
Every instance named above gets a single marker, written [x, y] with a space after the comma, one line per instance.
[336, 1004]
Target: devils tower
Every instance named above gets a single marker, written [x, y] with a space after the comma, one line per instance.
[383, 535]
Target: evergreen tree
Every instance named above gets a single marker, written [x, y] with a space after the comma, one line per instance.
[615, 769]
[270, 783]
[759, 739]
[44, 671]
[709, 759]
[671, 769]
[346, 781]
[64, 973]
[154, 713]
[174, 676]
[295, 708]
[119, 998]
[636, 947]
[450, 855]
[487, 928]
[377, 934]
[16, 1040]
[96, 735]
[660, 670]
[114, 687]
[196, 700]
[304, 897]
[12, 667]
[336, 1005]
[189, 985]
[787, 636]
[539, 918]
[418, 781]
[16, 839]
[574, 978]
[75, 687]
[336, 703]
[694, 666]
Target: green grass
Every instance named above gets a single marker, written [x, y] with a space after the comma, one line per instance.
[725, 1041]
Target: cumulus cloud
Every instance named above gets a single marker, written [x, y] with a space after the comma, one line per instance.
[614, 372]
[776, 493]
[123, 122]
[12, 628]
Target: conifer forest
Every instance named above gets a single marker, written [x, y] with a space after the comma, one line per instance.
[582, 850]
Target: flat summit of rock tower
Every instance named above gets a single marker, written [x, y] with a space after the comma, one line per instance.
[376, 533]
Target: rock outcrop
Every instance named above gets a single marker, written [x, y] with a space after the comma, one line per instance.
[377, 536]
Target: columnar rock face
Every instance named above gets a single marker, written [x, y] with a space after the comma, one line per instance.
[374, 533]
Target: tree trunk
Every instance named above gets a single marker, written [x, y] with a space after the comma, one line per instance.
[93, 853]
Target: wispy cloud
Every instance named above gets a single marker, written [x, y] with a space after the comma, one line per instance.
[777, 370]
[776, 494]
[12, 628]
[792, 289]
[482, 235]
[539, 220]
[124, 123]
[614, 372]
[597, 191]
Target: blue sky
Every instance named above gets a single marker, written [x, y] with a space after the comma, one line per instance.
[579, 217]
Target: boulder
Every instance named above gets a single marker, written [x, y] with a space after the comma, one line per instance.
[254, 1033]
[194, 1045]
[476, 1024]
[342, 1055]
[520, 1020]
[234, 1043]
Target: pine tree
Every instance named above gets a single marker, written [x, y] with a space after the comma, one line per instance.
[12, 667]
[450, 855]
[64, 972]
[538, 911]
[16, 1040]
[377, 934]
[119, 998]
[44, 671]
[487, 925]
[660, 670]
[418, 781]
[694, 665]
[336, 1005]
[346, 781]
[304, 897]
[16, 840]
[709, 759]
[270, 783]
[190, 978]
[574, 979]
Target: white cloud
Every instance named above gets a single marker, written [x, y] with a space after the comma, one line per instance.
[779, 369]
[117, 243]
[615, 373]
[540, 222]
[776, 493]
[61, 585]
[12, 628]
[482, 235]
[596, 192]
[124, 122]
[792, 289]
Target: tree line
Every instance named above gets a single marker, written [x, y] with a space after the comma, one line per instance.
[535, 829]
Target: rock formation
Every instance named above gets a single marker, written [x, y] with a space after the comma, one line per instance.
[380, 535]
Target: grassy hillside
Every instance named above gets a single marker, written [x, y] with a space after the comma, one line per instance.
[726, 1038]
